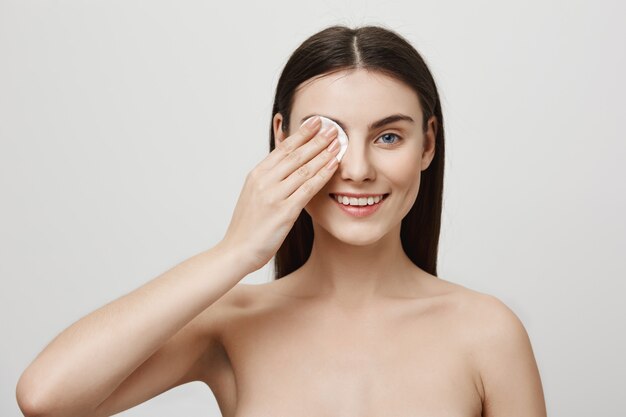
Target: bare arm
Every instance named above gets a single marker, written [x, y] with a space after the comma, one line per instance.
[151, 339]
[84, 364]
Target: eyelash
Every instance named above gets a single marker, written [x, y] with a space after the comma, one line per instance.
[391, 134]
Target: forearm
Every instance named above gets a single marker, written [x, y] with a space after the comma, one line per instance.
[95, 354]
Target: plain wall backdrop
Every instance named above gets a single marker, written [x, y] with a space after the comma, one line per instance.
[127, 129]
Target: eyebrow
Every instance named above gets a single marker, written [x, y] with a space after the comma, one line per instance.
[375, 125]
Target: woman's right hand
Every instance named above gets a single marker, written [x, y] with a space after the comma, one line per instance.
[276, 191]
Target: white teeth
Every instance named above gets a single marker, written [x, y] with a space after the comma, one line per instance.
[362, 201]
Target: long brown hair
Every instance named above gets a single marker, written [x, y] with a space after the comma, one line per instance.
[374, 48]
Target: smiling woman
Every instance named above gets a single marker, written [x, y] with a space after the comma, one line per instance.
[357, 321]
[368, 80]
[359, 270]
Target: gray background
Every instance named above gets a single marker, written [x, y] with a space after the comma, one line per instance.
[127, 129]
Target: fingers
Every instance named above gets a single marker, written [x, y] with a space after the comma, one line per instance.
[293, 142]
[308, 180]
[296, 159]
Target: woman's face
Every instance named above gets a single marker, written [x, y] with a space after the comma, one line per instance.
[384, 159]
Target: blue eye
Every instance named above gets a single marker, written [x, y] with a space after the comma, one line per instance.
[388, 135]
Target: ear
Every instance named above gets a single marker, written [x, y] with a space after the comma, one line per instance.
[279, 134]
[428, 147]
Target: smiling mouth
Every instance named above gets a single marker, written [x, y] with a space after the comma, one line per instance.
[334, 198]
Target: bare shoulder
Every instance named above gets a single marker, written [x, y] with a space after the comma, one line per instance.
[491, 320]
[495, 339]
[506, 362]
[488, 320]
[501, 355]
[481, 311]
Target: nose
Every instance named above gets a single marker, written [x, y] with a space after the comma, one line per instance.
[356, 164]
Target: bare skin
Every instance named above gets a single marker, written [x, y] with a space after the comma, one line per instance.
[287, 351]
[294, 353]
[358, 330]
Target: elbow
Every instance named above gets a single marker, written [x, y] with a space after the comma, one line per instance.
[37, 401]
[29, 400]
[28, 404]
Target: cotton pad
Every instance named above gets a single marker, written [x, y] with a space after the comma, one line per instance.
[341, 135]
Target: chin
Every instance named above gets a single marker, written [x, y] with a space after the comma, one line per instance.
[363, 240]
[351, 234]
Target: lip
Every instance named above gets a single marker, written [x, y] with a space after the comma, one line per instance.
[359, 211]
[358, 195]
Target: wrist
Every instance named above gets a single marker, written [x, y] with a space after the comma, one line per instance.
[235, 256]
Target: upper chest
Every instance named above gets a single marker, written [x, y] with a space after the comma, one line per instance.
[301, 358]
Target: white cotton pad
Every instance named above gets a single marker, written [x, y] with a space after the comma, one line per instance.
[341, 136]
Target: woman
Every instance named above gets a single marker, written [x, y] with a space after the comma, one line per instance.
[357, 321]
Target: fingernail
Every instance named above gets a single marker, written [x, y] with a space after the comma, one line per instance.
[332, 163]
[312, 122]
[334, 145]
[329, 131]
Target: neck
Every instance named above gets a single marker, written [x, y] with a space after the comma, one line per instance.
[357, 275]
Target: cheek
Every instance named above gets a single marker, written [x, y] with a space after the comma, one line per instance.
[404, 177]
[403, 169]
[318, 201]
